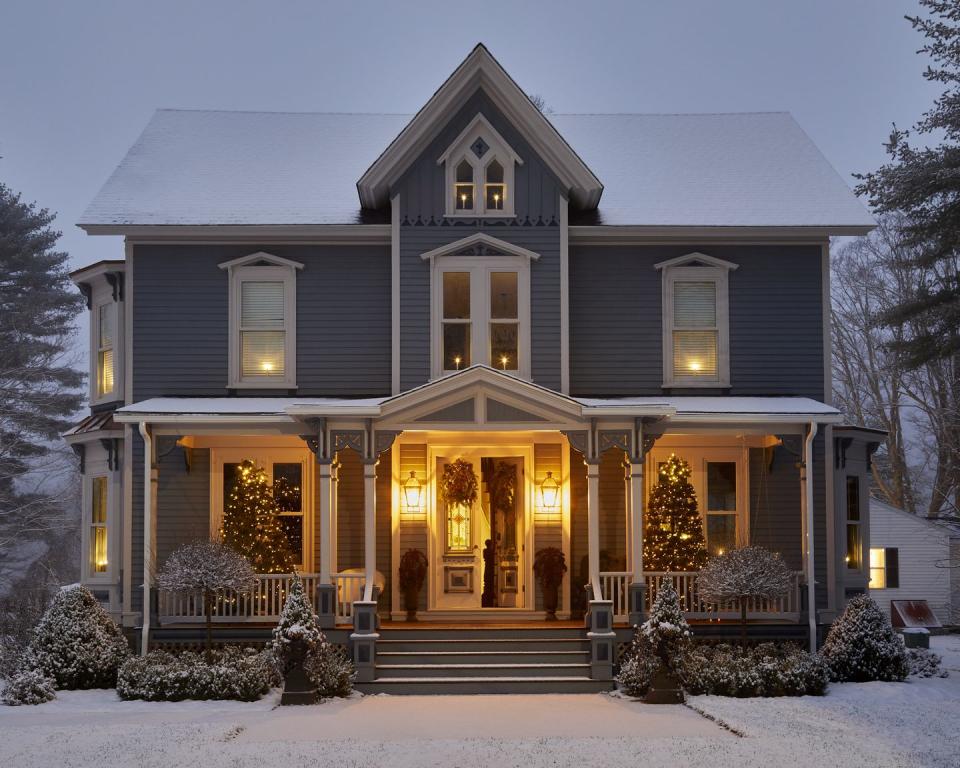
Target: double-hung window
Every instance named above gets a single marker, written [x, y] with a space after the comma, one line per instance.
[884, 568]
[854, 556]
[696, 333]
[263, 310]
[105, 341]
[481, 313]
[99, 559]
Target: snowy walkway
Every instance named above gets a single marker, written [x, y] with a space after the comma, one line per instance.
[877, 724]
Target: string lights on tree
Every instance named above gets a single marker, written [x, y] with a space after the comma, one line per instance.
[251, 521]
[673, 539]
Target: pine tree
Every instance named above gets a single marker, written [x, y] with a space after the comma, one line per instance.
[673, 538]
[251, 524]
[38, 306]
[297, 622]
[923, 184]
[665, 631]
[862, 645]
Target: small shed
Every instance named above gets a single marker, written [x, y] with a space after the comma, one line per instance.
[911, 559]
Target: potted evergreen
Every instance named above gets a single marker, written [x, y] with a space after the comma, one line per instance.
[549, 565]
[413, 572]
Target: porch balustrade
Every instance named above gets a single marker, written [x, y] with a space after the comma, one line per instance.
[263, 604]
[615, 585]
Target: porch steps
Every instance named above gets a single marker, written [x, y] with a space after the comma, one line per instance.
[473, 660]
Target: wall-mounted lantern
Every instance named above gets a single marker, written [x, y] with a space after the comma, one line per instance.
[411, 491]
[550, 492]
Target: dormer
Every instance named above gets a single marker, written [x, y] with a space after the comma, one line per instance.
[102, 285]
[479, 171]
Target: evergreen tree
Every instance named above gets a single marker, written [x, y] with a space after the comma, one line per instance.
[863, 646]
[38, 306]
[923, 183]
[251, 524]
[673, 538]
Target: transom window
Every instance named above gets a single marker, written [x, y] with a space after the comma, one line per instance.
[479, 172]
[262, 322]
[696, 336]
[482, 314]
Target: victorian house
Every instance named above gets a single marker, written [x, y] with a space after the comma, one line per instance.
[355, 302]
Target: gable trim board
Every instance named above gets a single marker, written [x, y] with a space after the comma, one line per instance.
[479, 70]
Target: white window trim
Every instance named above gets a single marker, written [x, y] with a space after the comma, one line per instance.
[263, 267]
[882, 568]
[265, 457]
[460, 150]
[698, 457]
[717, 272]
[480, 268]
[96, 466]
[102, 298]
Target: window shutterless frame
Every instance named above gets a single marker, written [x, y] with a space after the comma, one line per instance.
[253, 269]
[695, 271]
[482, 323]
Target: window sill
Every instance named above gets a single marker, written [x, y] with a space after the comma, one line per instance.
[480, 216]
[682, 384]
[262, 385]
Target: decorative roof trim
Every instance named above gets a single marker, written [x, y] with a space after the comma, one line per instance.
[710, 261]
[480, 68]
[253, 258]
[480, 123]
[480, 238]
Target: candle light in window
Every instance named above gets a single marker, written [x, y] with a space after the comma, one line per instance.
[456, 361]
[266, 365]
[503, 361]
[463, 200]
[694, 365]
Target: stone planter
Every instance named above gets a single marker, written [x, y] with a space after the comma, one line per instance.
[665, 687]
[297, 687]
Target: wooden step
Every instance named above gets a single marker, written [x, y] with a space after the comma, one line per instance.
[389, 671]
[508, 656]
[465, 685]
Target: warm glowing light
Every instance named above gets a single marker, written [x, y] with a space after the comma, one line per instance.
[496, 198]
[411, 491]
[503, 361]
[550, 492]
[694, 365]
[720, 551]
[463, 199]
[266, 365]
[456, 361]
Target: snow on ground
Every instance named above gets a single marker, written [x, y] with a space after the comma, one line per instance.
[875, 724]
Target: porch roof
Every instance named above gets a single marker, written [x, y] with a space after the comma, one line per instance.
[718, 409]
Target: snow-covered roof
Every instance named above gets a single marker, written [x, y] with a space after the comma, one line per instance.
[247, 168]
[688, 407]
[680, 408]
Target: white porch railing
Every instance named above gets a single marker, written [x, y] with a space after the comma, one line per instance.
[616, 585]
[264, 603]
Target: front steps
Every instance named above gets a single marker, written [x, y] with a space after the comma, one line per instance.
[474, 660]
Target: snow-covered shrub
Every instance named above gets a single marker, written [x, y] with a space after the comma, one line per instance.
[76, 643]
[764, 670]
[637, 665]
[925, 663]
[233, 673]
[666, 630]
[862, 646]
[29, 687]
[326, 666]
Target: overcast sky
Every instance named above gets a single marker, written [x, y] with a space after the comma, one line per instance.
[79, 80]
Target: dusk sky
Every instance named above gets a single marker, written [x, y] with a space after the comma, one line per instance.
[79, 80]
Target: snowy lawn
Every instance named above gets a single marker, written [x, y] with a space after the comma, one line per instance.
[875, 724]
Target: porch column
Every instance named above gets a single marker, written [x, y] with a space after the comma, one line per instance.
[806, 497]
[635, 506]
[593, 526]
[326, 598]
[149, 523]
[369, 526]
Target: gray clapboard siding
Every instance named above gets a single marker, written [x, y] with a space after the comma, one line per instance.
[349, 511]
[384, 527]
[183, 498]
[413, 530]
[776, 519]
[180, 321]
[613, 515]
[776, 320]
[548, 529]
[536, 227]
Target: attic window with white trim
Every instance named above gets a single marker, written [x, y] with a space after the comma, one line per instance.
[479, 172]
[696, 328]
[263, 311]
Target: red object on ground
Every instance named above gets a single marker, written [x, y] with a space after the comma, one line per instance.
[912, 613]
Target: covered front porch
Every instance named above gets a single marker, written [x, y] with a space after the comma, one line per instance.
[367, 474]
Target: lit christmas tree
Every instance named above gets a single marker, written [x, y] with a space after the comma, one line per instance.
[673, 538]
[251, 523]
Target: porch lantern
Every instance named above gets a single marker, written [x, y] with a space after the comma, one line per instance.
[550, 492]
[411, 491]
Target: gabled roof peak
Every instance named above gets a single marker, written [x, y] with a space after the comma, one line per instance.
[480, 69]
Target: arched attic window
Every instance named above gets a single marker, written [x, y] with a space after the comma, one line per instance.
[479, 172]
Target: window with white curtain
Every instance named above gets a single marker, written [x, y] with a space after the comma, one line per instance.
[262, 322]
[105, 342]
[696, 335]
